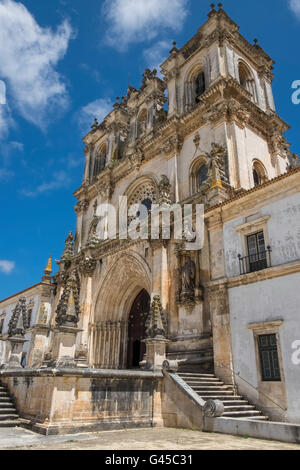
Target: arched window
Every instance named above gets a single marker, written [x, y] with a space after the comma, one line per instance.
[99, 161]
[142, 123]
[199, 174]
[145, 203]
[199, 86]
[202, 175]
[246, 80]
[259, 174]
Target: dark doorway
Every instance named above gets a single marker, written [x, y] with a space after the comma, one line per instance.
[137, 329]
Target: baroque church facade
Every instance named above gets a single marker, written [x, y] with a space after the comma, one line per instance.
[229, 309]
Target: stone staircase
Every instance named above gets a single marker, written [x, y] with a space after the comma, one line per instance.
[8, 414]
[209, 387]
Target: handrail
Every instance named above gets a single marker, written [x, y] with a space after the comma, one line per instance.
[244, 380]
[255, 262]
[210, 408]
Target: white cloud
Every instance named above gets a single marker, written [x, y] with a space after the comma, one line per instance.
[29, 54]
[96, 109]
[155, 55]
[295, 7]
[60, 180]
[6, 267]
[141, 20]
[6, 120]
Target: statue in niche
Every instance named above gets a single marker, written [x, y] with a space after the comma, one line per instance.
[188, 276]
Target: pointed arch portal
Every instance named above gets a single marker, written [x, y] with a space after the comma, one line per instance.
[137, 329]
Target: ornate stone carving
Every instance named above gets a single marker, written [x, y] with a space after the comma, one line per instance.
[164, 190]
[69, 246]
[147, 77]
[68, 309]
[19, 321]
[136, 159]
[217, 162]
[156, 325]
[93, 240]
[87, 266]
[213, 408]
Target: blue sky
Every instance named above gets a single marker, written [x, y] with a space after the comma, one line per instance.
[65, 61]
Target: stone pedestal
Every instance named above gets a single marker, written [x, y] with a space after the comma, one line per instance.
[39, 340]
[16, 350]
[155, 353]
[64, 346]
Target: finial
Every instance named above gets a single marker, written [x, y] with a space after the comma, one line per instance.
[212, 6]
[48, 269]
[95, 125]
[174, 48]
[220, 5]
[255, 41]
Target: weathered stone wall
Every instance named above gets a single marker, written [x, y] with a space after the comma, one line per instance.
[56, 402]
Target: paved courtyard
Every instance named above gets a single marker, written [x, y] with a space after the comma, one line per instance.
[135, 439]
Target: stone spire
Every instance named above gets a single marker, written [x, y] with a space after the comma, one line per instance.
[48, 271]
[156, 326]
[68, 308]
[69, 246]
[19, 321]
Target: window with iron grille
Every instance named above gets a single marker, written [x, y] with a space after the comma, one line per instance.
[257, 251]
[269, 358]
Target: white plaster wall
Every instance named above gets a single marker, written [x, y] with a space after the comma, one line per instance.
[275, 299]
[283, 229]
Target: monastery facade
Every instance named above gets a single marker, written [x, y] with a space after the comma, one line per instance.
[145, 315]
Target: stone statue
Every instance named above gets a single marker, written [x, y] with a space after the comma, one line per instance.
[188, 276]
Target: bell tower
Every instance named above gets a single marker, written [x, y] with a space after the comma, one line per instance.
[227, 83]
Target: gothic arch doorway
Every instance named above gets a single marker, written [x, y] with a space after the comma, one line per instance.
[137, 329]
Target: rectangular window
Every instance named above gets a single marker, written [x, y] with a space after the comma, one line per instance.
[1, 325]
[269, 358]
[257, 254]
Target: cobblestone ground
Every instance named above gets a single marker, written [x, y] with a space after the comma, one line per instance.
[136, 439]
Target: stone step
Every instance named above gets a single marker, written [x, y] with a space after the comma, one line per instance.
[225, 388]
[259, 418]
[9, 417]
[239, 408]
[216, 393]
[3, 399]
[198, 376]
[9, 424]
[204, 383]
[5, 406]
[221, 397]
[194, 374]
[240, 414]
[235, 402]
